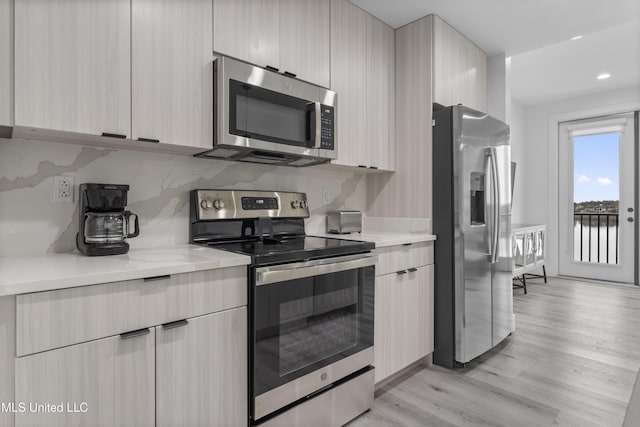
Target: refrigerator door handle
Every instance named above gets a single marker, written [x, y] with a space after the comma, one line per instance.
[488, 203]
[495, 189]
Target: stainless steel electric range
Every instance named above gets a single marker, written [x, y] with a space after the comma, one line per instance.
[311, 303]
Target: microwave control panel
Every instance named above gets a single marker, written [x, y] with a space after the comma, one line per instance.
[327, 128]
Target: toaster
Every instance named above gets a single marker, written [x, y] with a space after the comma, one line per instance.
[344, 222]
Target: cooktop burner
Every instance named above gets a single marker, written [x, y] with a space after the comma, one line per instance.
[268, 226]
[292, 249]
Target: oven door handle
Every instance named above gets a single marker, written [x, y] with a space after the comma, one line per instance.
[300, 270]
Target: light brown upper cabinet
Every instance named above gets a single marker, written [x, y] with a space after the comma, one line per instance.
[172, 72]
[6, 65]
[304, 39]
[459, 68]
[362, 74]
[380, 95]
[289, 35]
[72, 65]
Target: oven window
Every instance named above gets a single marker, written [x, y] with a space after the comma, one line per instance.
[316, 328]
[259, 113]
[304, 324]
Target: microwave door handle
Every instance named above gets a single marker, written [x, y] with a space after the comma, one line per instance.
[318, 124]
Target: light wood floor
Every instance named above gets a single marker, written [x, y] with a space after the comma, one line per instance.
[572, 361]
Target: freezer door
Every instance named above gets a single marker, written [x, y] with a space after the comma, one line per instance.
[473, 270]
[502, 293]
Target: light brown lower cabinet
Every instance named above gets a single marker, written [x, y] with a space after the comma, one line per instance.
[109, 382]
[201, 371]
[403, 319]
[191, 372]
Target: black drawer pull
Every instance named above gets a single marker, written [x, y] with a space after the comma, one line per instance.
[362, 166]
[270, 68]
[176, 324]
[401, 272]
[148, 140]
[407, 244]
[412, 270]
[114, 135]
[133, 334]
[288, 74]
[154, 278]
[373, 167]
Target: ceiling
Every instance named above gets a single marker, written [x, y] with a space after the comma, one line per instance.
[546, 65]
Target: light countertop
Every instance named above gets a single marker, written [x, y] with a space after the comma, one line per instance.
[383, 238]
[25, 274]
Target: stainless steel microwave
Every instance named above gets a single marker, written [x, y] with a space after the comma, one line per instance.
[262, 116]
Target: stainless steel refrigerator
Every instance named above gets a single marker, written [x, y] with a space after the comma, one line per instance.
[472, 221]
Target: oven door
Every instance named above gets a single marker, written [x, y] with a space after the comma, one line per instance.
[312, 326]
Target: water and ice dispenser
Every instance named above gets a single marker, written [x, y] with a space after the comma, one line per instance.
[477, 198]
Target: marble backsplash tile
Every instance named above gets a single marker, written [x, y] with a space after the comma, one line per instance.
[31, 223]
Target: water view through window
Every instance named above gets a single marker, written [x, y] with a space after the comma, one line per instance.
[596, 198]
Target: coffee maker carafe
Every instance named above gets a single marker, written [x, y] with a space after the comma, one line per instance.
[104, 223]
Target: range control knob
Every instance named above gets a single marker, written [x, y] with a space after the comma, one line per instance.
[206, 204]
[218, 204]
[303, 204]
[295, 204]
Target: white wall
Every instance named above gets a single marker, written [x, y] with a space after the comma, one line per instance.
[30, 223]
[518, 147]
[539, 186]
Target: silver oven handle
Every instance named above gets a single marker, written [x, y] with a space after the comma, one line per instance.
[300, 270]
[318, 113]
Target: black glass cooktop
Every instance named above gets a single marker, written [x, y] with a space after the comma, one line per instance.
[293, 249]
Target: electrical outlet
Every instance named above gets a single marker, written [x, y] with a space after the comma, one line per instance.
[326, 196]
[63, 189]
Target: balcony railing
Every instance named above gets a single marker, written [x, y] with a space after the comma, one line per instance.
[596, 237]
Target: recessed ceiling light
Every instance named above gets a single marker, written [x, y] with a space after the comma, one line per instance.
[604, 76]
[576, 37]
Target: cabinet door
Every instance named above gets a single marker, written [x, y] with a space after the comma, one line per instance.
[72, 65]
[172, 72]
[387, 323]
[6, 66]
[403, 320]
[248, 30]
[204, 359]
[460, 69]
[304, 39]
[348, 79]
[380, 92]
[416, 334]
[111, 380]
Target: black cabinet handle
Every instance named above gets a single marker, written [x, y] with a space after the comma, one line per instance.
[176, 324]
[362, 166]
[270, 68]
[148, 140]
[373, 167]
[114, 135]
[401, 272]
[412, 270]
[154, 278]
[136, 333]
[289, 74]
[407, 244]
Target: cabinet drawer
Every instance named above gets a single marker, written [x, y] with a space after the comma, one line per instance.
[401, 257]
[52, 319]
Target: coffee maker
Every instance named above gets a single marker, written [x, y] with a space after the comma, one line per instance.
[104, 223]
